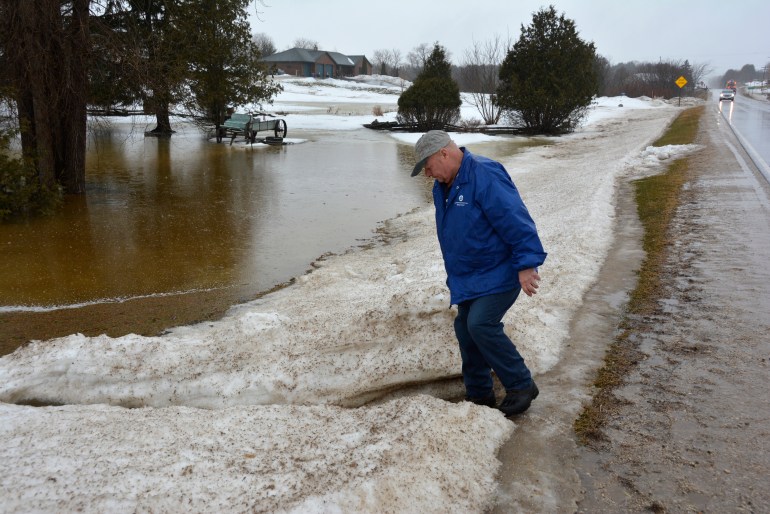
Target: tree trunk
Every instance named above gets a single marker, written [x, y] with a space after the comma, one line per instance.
[31, 87]
[48, 54]
[162, 121]
[71, 169]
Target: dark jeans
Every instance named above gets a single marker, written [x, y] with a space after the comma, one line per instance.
[485, 347]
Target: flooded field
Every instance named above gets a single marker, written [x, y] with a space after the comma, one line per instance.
[173, 231]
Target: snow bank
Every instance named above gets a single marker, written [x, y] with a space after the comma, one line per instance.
[415, 454]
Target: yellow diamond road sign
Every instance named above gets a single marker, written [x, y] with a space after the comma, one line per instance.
[681, 81]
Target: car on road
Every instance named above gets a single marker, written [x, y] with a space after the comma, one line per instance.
[727, 94]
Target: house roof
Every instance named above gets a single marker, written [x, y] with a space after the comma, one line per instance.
[358, 58]
[291, 55]
[341, 59]
[305, 55]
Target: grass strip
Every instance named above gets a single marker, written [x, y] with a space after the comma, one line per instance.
[657, 198]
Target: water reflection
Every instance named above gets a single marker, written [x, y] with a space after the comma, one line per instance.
[186, 214]
[729, 115]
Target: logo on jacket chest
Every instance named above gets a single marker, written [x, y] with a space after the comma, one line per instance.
[460, 202]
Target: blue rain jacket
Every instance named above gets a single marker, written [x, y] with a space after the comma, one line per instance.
[485, 231]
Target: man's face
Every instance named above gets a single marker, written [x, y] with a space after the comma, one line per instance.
[438, 166]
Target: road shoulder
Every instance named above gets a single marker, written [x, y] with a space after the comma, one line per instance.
[685, 437]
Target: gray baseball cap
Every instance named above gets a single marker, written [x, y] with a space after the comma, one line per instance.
[430, 143]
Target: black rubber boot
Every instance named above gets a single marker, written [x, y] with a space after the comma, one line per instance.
[487, 401]
[517, 401]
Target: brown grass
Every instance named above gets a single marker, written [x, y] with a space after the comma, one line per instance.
[657, 199]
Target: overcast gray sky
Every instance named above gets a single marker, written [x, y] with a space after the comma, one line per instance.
[726, 34]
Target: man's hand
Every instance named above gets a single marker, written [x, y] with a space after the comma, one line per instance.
[528, 278]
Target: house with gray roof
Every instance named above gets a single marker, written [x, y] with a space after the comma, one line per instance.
[318, 63]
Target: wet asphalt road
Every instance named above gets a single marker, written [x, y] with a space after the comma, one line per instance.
[694, 435]
[750, 119]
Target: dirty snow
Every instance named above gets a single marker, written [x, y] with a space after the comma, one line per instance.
[269, 408]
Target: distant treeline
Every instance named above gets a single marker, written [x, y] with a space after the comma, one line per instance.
[634, 79]
[746, 74]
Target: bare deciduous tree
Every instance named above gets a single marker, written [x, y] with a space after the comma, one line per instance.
[305, 43]
[264, 43]
[387, 62]
[419, 56]
[395, 61]
[380, 60]
[699, 72]
[479, 75]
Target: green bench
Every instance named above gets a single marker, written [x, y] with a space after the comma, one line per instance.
[249, 125]
[236, 125]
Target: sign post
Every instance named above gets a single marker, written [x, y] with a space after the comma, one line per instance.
[681, 81]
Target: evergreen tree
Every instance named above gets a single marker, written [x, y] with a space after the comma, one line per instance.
[142, 57]
[548, 78]
[20, 191]
[113, 72]
[196, 52]
[433, 100]
[226, 69]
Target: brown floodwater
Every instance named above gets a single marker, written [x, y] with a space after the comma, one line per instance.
[173, 231]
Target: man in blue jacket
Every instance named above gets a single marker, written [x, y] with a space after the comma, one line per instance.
[491, 253]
